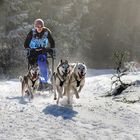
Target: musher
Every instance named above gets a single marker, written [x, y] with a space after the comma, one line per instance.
[36, 43]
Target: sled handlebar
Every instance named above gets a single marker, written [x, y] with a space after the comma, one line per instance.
[50, 51]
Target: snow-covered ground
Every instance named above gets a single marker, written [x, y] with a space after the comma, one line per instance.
[92, 117]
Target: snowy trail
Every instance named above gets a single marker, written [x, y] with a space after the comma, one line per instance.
[92, 117]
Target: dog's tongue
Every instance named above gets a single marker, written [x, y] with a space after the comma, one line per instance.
[81, 75]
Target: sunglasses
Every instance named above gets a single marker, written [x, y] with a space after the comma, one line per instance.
[39, 27]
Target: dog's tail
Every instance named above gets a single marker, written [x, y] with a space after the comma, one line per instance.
[20, 78]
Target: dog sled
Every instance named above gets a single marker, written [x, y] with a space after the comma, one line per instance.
[45, 58]
[67, 80]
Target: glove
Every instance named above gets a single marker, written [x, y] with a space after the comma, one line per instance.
[28, 51]
[52, 52]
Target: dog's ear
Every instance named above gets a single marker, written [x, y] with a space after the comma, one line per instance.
[77, 63]
[66, 61]
[61, 61]
[35, 65]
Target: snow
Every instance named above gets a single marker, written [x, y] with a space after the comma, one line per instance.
[92, 117]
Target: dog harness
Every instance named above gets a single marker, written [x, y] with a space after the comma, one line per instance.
[61, 80]
[61, 83]
[37, 42]
[78, 83]
[33, 81]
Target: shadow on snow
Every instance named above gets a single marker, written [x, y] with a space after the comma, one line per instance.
[19, 98]
[64, 112]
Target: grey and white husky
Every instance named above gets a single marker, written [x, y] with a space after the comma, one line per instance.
[76, 80]
[61, 79]
[30, 81]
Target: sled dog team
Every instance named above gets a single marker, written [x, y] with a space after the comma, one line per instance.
[68, 80]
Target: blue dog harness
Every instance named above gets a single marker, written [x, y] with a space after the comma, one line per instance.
[37, 42]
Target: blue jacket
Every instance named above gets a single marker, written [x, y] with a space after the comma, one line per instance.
[36, 40]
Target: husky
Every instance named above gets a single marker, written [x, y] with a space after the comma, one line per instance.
[76, 80]
[30, 81]
[61, 79]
